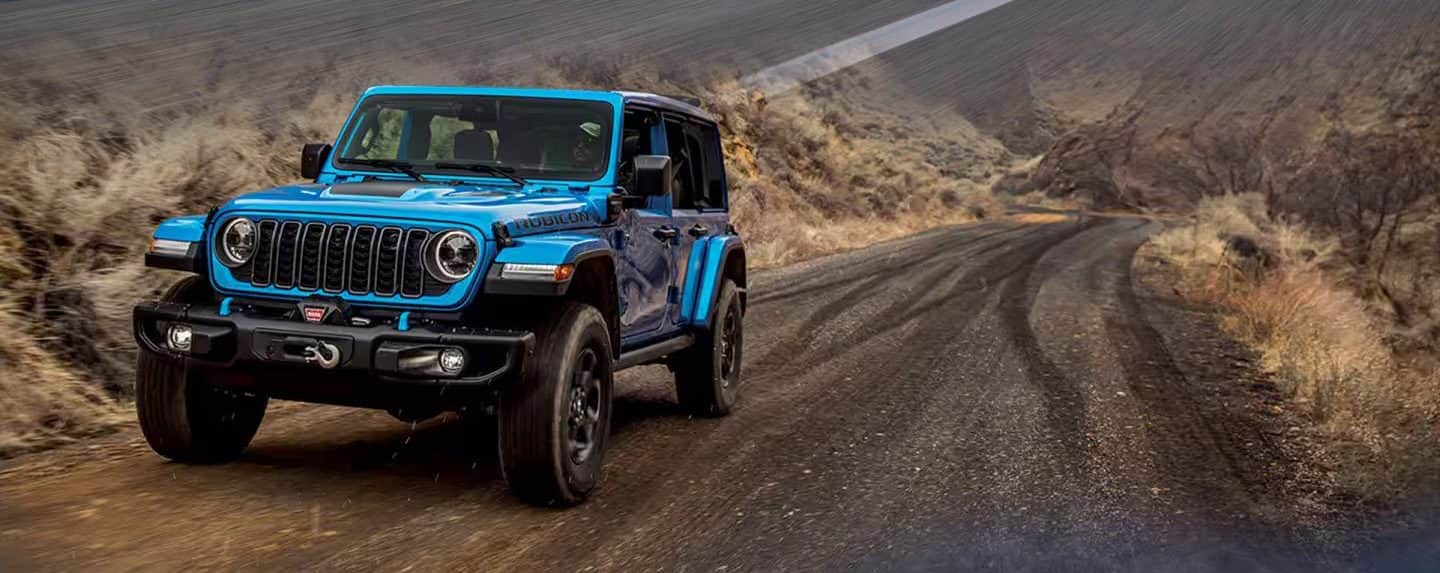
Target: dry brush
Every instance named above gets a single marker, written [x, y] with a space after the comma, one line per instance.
[1281, 286]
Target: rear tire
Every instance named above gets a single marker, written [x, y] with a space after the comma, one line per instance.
[182, 416]
[554, 422]
[707, 375]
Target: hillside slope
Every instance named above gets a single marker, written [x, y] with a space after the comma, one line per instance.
[170, 52]
[1128, 84]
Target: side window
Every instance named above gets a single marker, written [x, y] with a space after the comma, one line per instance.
[634, 140]
[715, 192]
[695, 152]
[682, 196]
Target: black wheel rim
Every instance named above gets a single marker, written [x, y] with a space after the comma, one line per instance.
[584, 403]
[729, 344]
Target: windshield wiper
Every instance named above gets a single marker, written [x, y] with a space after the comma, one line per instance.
[496, 170]
[396, 166]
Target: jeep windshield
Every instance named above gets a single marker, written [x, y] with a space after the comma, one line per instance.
[494, 136]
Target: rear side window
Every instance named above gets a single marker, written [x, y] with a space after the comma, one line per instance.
[715, 192]
[699, 165]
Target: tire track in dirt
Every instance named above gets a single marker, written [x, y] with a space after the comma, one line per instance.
[820, 415]
[905, 309]
[1065, 409]
[910, 252]
[1220, 454]
[1155, 377]
[937, 261]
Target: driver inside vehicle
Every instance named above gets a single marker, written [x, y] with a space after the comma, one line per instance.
[587, 144]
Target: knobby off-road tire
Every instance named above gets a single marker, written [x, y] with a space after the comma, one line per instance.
[554, 422]
[183, 417]
[707, 375]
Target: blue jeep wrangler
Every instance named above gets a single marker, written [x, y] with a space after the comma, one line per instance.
[497, 252]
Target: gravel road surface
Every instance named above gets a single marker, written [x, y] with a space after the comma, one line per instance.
[1000, 395]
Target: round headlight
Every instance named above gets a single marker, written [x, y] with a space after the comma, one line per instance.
[451, 256]
[237, 242]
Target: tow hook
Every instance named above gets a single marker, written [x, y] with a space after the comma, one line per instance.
[324, 354]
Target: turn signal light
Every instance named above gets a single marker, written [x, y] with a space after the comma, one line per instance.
[564, 272]
[524, 271]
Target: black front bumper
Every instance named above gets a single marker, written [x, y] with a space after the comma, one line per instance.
[382, 351]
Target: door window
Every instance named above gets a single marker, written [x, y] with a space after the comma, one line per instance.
[634, 141]
[682, 161]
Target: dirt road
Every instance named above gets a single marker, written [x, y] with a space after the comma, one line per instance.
[996, 395]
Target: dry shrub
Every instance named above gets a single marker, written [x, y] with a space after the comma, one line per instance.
[1320, 340]
[84, 182]
[84, 179]
[44, 401]
[1325, 346]
[1199, 249]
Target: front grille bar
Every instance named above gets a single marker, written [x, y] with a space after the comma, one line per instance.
[339, 257]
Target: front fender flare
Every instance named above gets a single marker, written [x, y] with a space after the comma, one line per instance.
[188, 229]
[558, 249]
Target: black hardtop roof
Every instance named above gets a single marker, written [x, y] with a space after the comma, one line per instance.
[666, 103]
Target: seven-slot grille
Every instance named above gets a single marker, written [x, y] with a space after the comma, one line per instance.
[339, 257]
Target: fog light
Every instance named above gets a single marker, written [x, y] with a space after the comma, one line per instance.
[452, 360]
[179, 337]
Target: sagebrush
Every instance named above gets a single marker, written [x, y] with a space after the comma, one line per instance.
[1328, 348]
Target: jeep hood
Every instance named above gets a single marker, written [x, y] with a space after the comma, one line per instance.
[534, 208]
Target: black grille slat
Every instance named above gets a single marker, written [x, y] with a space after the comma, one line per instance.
[435, 288]
[362, 253]
[310, 256]
[358, 259]
[286, 251]
[387, 261]
[334, 263]
[264, 254]
[412, 281]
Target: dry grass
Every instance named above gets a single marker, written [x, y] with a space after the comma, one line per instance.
[84, 179]
[1325, 346]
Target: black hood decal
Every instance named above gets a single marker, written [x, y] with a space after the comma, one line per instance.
[373, 188]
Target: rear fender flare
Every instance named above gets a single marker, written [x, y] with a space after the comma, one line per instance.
[705, 273]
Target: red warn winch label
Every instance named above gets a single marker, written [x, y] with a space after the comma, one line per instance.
[314, 313]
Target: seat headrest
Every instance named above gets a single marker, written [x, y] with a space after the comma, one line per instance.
[630, 147]
[474, 145]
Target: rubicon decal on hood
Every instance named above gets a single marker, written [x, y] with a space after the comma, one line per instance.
[528, 225]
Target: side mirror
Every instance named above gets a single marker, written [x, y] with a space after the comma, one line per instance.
[654, 175]
[312, 158]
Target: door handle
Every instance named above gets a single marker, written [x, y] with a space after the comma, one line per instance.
[666, 233]
[699, 230]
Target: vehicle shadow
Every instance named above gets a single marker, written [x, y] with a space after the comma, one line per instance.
[448, 451]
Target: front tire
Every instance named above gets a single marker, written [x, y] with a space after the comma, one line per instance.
[707, 375]
[554, 421]
[183, 417]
